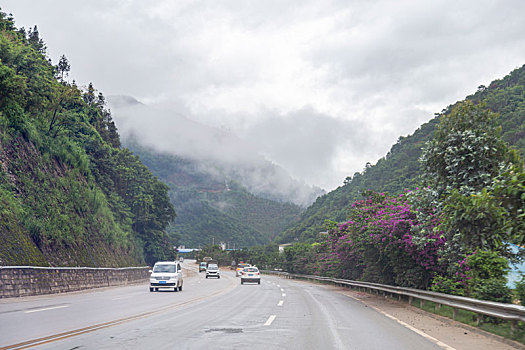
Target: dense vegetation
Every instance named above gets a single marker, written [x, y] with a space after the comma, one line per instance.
[70, 195]
[451, 235]
[212, 209]
[399, 169]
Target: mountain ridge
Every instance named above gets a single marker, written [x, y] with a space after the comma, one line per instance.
[213, 208]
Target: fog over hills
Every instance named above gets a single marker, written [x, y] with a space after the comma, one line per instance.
[219, 152]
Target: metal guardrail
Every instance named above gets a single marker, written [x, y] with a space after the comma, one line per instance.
[508, 312]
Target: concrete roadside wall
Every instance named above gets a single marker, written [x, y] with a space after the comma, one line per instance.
[19, 281]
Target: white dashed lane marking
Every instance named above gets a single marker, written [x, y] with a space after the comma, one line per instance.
[281, 302]
[270, 320]
[46, 309]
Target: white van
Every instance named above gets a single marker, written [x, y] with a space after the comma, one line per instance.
[166, 275]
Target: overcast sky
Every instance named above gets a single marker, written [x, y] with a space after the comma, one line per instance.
[319, 87]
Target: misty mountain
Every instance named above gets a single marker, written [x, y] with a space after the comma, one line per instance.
[220, 153]
[399, 169]
[211, 207]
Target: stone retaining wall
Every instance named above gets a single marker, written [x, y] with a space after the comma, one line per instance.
[18, 281]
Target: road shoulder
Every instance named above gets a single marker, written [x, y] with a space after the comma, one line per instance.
[454, 334]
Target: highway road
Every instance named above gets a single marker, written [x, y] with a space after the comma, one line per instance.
[206, 314]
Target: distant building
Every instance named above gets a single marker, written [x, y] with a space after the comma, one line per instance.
[282, 246]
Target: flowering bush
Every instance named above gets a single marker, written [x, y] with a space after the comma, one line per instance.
[455, 281]
[378, 242]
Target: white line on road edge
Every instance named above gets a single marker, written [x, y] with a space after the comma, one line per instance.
[47, 308]
[270, 320]
[421, 333]
[281, 302]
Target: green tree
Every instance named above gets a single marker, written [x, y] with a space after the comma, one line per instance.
[63, 67]
[467, 151]
[461, 165]
[33, 37]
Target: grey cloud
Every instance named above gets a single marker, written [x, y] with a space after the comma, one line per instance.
[369, 70]
[306, 142]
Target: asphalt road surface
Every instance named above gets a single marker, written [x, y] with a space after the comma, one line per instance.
[206, 314]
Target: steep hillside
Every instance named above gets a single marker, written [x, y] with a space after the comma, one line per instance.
[70, 195]
[213, 208]
[399, 169]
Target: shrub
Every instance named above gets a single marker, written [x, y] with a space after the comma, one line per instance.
[493, 289]
[447, 285]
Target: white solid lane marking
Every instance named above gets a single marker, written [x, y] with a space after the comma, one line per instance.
[281, 302]
[421, 333]
[270, 320]
[46, 308]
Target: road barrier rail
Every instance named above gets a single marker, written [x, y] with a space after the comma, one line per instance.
[508, 312]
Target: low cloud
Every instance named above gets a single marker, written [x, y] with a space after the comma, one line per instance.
[219, 152]
[370, 70]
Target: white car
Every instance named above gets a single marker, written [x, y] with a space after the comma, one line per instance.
[213, 271]
[166, 275]
[250, 274]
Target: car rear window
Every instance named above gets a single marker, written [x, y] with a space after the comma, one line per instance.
[251, 269]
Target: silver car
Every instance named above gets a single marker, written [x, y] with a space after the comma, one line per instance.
[166, 275]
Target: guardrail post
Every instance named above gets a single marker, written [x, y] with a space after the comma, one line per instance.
[410, 299]
[437, 307]
[478, 319]
[421, 303]
[454, 313]
[513, 325]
